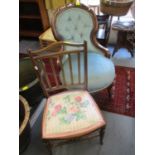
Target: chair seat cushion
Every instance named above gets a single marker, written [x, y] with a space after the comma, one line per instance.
[101, 71]
[70, 114]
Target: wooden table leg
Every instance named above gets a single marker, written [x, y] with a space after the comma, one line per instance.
[122, 43]
[107, 30]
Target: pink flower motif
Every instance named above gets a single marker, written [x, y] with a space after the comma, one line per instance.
[73, 109]
[78, 98]
[53, 113]
[57, 107]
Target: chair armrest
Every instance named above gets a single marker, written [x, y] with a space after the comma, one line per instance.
[103, 49]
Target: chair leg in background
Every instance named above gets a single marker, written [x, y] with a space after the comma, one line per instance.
[131, 52]
[115, 50]
[109, 91]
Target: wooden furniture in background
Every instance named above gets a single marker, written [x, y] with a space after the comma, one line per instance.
[104, 26]
[102, 34]
[115, 7]
[33, 18]
[70, 114]
[46, 38]
[125, 36]
[24, 124]
[29, 83]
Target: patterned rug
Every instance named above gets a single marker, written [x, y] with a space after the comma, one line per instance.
[122, 93]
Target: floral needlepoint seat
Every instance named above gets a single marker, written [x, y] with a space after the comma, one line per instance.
[70, 113]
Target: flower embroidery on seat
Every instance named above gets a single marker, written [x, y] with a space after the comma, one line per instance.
[57, 108]
[74, 109]
[54, 113]
[78, 99]
[68, 109]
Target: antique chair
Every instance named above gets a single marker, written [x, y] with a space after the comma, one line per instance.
[78, 23]
[72, 113]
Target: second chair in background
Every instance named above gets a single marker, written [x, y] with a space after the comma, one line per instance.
[78, 23]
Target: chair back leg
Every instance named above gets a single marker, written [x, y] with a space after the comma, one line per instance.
[102, 131]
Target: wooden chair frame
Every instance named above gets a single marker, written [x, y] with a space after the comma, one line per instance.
[39, 55]
[48, 52]
[48, 143]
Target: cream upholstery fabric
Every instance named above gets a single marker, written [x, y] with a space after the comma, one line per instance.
[69, 113]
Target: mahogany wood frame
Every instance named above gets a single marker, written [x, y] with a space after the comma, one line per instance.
[39, 55]
[104, 50]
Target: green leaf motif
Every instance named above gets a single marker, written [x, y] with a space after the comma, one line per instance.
[64, 121]
[66, 99]
[63, 111]
[79, 116]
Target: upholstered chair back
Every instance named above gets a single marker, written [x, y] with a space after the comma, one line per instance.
[77, 24]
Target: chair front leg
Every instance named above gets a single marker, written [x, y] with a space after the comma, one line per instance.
[102, 132]
[49, 146]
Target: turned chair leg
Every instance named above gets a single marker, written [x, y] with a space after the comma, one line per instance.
[49, 146]
[131, 52]
[109, 91]
[102, 131]
[116, 48]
